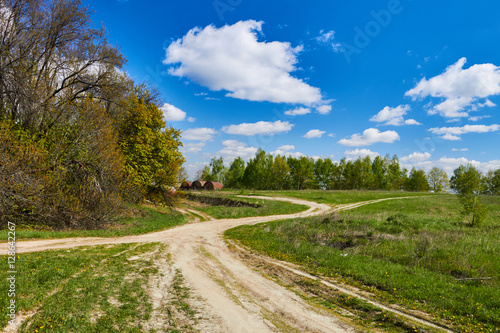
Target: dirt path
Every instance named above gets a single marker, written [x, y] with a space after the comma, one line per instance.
[242, 299]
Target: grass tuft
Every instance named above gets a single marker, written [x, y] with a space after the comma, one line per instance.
[415, 252]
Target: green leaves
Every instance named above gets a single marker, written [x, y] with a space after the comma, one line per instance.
[468, 184]
[151, 151]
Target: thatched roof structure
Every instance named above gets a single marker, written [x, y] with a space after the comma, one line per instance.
[213, 186]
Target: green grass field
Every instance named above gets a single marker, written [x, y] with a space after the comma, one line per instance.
[416, 252]
[151, 219]
[268, 207]
[339, 197]
[92, 289]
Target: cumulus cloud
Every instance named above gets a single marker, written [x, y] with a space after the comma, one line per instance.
[261, 127]
[460, 88]
[416, 157]
[298, 111]
[356, 153]
[286, 150]
[191, 119]
[232, 59]
[453, 133]
[286, 147]
[394, 116]
[449, 164]
[369, 137]
[490, 165]
[193, 147]
[412, 122]
[201, 134]
[235, 148]
[172, 113]
[324, 109]
[314, 133]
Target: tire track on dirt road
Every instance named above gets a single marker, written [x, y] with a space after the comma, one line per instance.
[242, 298]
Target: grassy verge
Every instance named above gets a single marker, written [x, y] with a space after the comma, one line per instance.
[154, 219]
[268, 207]
[340, 197]
[415, 252]
[92, 289]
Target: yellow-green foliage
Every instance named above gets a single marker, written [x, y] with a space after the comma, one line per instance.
[151, 153]
[73, 127]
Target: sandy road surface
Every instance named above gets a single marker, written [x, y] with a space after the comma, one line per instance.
[236, 297]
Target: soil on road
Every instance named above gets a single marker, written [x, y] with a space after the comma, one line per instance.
[235, 297]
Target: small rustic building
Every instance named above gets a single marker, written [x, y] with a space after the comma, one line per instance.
[212, 186]
[186, 185]
[198, 184]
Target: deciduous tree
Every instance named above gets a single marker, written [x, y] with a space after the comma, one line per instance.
[466, 181]
[151, 150]
[235, 173]
[438, 179]
[417, 181]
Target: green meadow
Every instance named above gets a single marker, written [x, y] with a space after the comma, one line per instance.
[141, 220]
[416, 252]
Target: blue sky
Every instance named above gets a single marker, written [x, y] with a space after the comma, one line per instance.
[322, 78]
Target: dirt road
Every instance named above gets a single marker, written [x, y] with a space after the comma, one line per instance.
[235, 297]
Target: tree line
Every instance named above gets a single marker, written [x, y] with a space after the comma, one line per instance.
[268, 172]
[78, 138]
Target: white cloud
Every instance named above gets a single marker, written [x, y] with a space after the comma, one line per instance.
[328, 38]
[201, 134]
[324, 109]
[172, 113]
[234, 148]
[451, 137]
[490, 165]
[314, 133]
[477, 118]
[453, 133]
[453, 107]
[460, 88]
[460, 149]
[191, 119]
[412, 122]
[193, 147]
[416, 157]
[286, 150]
[192, 168]
[332, 135]
[231, 58]
[325, 37]
[298, 111]
[369, 137]
[394, 116]
[261, 127]
[449, 164]
[354, 154]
